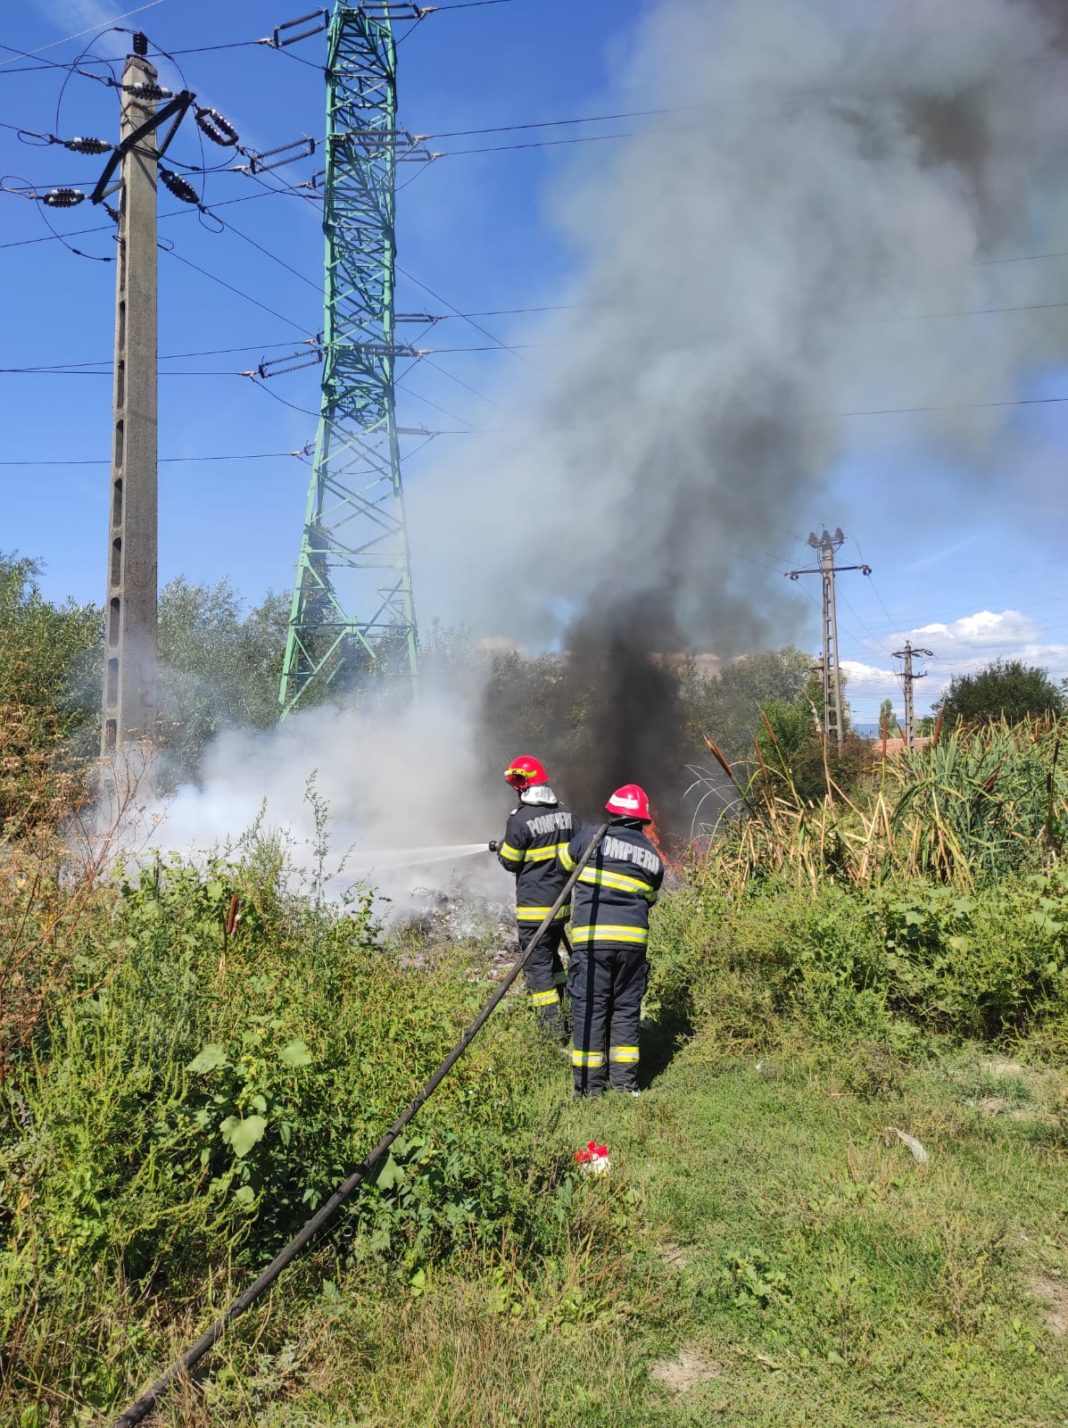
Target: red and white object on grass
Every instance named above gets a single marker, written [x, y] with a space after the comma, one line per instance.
[593, 1158]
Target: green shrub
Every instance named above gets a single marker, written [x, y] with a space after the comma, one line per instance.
[184, 1112]
[855, 964]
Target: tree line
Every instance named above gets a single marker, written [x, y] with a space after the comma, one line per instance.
[221, 660]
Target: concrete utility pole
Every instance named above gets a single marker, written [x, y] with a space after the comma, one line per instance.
[827, 546]
[129, 703]
[909, 676]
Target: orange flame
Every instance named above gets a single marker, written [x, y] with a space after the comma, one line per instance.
[653, 834]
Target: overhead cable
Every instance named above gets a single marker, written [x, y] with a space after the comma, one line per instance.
[456, 311]
[548, 123]
[109, 227]
[237, 291]
[90, 29]
[460, 5]
[539, 144]
[165, 357]
[173, 460]
[51, 64]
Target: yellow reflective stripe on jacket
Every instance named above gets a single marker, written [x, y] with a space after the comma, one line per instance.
[623, 1053]
[543, 855]
[514, 855]
[567, 862]
[587, 1058]
[620, 882]
[545, 999]
[535, 914]
[609, 932]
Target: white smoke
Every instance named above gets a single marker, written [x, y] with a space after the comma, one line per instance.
[403, 796]
[745, 268]
[743, 271]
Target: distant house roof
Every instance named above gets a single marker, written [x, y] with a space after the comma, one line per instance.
[897, 746]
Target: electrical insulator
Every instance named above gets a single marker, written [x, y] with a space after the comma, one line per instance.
[178, 186]
[314, 24]
[147, 91]
[269, 159]
[62, 197]
[87, 146]
[140, 43]
[217, 127]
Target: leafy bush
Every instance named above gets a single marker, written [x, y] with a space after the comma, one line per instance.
[853, 964]
[987, 965]
[182, 1113]
[1004, 689]
[47, 668]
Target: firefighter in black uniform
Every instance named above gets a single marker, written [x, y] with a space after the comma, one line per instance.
[538, 831]
[610, 933]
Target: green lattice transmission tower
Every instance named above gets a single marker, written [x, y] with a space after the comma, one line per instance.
[352, 614]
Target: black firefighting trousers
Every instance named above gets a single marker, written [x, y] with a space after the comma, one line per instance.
[606, 985]
[544, 975]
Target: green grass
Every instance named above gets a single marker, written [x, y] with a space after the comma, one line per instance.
[762, 1221]
[765, 1250]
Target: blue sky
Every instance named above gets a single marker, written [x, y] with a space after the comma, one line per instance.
[966, 560]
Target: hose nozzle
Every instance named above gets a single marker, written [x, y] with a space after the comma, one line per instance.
[493, 845]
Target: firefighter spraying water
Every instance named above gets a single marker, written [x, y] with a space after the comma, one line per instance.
[538, 831]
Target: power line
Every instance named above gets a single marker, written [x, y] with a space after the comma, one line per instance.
[50, 64]
[90, 29]
[237, 291]
[169, 460]
[456, 311]
[76, 372]
[951, 407]
[538, 144]
[301, 60]
[461, 5]
[232, 45]
[962, 312]
[429, 362]
[110, 227]
[232, 227]
[164, 357]
[548, 123]
[874, 587]
[437, 407]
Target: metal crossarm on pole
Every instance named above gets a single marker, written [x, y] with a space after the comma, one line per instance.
[909, 677]
[827, 545]
[353, 615]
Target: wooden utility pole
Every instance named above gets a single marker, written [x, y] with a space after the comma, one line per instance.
[827, 546]
[129, 702]
[909, 676]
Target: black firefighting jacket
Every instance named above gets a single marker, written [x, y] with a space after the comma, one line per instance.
[616, 888]
[536, 834]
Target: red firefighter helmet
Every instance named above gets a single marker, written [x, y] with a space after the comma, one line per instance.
[630, 801]
[525, 772]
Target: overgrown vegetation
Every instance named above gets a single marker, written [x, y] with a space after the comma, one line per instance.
[219, 1052]
[869, 963]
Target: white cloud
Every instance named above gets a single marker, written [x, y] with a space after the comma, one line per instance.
[983, 631]
[972, 641]
[868, 677]
[960, 646]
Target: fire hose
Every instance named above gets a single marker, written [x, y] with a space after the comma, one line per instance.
[141, 1407]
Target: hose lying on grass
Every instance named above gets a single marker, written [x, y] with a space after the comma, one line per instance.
[141, 1407]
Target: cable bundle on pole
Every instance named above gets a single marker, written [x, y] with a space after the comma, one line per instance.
[137, 1411]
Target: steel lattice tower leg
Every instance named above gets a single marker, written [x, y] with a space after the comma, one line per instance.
[353, 613]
